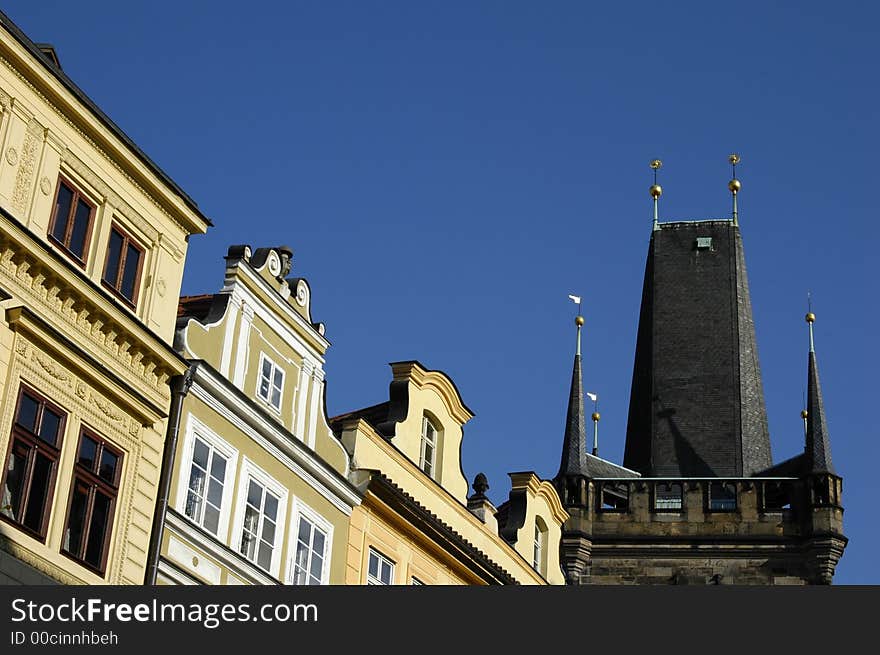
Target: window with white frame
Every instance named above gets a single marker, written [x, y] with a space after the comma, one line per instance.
[310, 562]
[380, 569]
[428, 456]
[260, 526]
[540, 554]
[271, 382]
[206, 477]
[539, 548]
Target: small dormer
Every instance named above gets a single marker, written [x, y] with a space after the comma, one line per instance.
[424, 420]
[531, 521]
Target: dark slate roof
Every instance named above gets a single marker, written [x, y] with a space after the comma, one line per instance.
[697, 400]
[50, 62]
[791, 468]
[602, 468]
[205, 308]
[818, 443]
[374, 415]
[574, 443]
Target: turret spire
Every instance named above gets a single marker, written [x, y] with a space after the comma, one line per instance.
[574, 447]
[818, 443]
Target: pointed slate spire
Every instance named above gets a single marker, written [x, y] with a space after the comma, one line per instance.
[818, 443]
[574, 446]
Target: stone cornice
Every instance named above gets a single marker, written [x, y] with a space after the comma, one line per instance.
[87, 315]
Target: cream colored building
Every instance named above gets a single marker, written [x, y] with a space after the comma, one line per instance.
[259, 491]
[416, 524]
[93, 237]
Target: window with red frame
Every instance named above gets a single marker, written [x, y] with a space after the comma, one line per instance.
[92, 501]
[122, 270]
[71, 223]
[32, 463]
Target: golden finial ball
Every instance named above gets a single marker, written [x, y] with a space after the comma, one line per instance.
[734, 186]
[596, 416]
[804, 413]
[733, 159]
[656, 191]
[656, 163]
[810, 317]
[579, 321]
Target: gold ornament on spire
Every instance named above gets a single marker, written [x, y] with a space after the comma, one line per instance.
[734, 185]
[656, 191]
[810, 318]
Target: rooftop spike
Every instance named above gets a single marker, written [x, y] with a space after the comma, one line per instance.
[734, 185]
[596, 416]
[656, 191]
[574, 446]
[818, 442]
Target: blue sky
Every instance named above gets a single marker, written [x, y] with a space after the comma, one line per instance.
[448, 172]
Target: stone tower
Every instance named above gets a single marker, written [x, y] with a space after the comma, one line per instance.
[698, 500]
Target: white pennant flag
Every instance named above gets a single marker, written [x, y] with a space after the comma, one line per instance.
[575, 299]
[592, 396]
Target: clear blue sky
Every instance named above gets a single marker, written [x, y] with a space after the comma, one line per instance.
[447, 172]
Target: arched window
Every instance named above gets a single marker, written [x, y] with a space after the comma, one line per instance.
[428, 456]
[539, 562]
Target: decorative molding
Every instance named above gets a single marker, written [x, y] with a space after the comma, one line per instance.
[302, 293]
[52, 369]
[107, 408]
[24, 177]
[11, 156]
[45, 185]
[24, 554]
[53, 296]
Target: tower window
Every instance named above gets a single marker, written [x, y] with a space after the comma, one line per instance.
[722, 497]
[668, 496]
[704, 243]
[613, 497]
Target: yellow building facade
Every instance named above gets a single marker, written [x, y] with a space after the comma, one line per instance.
[259, 491]
[93, 238]
[416, 524]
